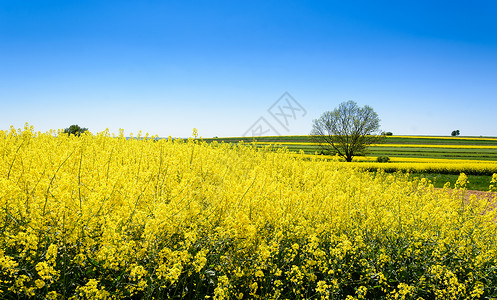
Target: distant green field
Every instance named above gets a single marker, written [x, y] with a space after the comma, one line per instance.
[389, 140]
[423, 151]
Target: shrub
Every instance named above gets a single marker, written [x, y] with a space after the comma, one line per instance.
[455, 133]
[383, 159]
[75, 129]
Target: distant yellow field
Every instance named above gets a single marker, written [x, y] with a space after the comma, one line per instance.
[412, 164]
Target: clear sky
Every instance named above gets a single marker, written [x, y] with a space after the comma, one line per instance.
[165, 67]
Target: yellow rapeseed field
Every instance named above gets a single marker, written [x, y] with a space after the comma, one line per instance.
[106, 217]
[416, 165]
[475, 167]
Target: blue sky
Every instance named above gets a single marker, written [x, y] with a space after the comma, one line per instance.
[165, 67]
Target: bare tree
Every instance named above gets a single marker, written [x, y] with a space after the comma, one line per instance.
[347, 130]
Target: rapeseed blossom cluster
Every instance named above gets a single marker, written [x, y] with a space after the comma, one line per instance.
[106, 217]
[493, 183]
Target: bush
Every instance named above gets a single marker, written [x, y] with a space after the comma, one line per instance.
[75, 129]
[455, 133]
[383, 159]
[389, 133]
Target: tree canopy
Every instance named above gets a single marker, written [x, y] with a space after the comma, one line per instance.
[347, 130]
[75, 129]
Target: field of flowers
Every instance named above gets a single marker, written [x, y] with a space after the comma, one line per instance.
[106, 217]
[447, 167]
[417, 165]
[412, 163]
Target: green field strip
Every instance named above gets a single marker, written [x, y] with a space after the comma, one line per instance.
[389, 140]
[435, 156]
[421, 153]
[444, 137]
[472, 154]
[494, 147]
[408, 152]
[431, 141]
[435, 151]
[398, 142]
[427, 149]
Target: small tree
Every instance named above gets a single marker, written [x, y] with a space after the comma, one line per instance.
[455, 133]
[348, 130]
[75, 129]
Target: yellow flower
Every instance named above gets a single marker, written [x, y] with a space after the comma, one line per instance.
[39, 283]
